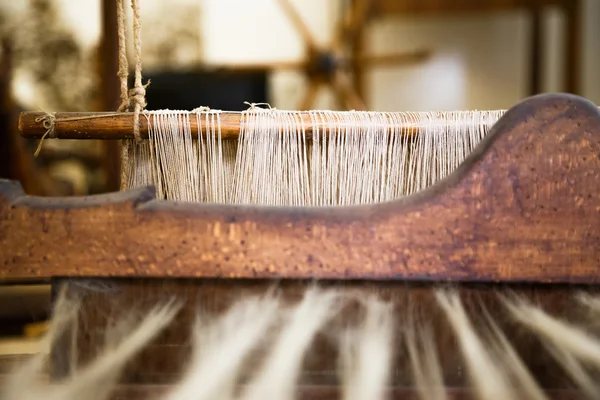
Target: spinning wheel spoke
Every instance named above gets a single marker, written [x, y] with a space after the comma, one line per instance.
[353, 21]
[394, 58]
[339, 34]
[297, 21]
[343, 63]
[279, 66]
[346, 94]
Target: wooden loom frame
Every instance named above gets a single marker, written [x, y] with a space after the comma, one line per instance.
[523, 207]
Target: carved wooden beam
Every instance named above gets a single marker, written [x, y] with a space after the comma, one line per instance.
[525, 206]
[119, 125]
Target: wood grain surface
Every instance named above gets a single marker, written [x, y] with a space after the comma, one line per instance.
[524, 206]
[118, 126]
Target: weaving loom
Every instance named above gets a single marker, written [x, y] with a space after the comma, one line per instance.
[320, 254]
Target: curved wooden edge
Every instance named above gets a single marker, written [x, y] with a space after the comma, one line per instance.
[524, 206]
[109, 125]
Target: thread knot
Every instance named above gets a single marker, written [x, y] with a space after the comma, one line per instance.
[136, 96]
[48, 121]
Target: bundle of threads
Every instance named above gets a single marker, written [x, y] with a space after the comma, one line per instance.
[346, 158]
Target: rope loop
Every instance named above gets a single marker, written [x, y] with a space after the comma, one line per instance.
[48, 121]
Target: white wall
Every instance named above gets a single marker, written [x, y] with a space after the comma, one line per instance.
[479, 61]
[591, 71]
[260, 31]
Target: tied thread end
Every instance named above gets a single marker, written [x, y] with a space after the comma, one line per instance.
[256, 106]
[136, 102]
[49, 123]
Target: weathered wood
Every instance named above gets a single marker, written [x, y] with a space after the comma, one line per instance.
[524, 206]
[117, 126]
[108, 125]
[104, 301]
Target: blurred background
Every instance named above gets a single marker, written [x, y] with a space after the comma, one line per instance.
[384, 55]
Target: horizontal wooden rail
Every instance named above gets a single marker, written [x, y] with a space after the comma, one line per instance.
[117, 126]
[108, 125]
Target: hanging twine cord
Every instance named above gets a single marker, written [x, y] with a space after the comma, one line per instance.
[131, 100]
[134, 99]
[123, 71]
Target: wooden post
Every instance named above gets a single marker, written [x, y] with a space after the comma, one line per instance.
[109, 87]
[536, 65]
[573, 44]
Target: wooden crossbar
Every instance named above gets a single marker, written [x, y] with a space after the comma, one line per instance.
[118, 126]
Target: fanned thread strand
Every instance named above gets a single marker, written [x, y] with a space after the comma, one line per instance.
[257, 347]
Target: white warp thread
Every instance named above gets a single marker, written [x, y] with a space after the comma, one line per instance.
[256, 348]
[364, 158]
